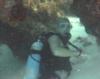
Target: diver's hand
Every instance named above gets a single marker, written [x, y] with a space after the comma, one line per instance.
[79, 59]
[77, 54]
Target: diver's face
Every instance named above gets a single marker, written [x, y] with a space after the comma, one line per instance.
[63, 27]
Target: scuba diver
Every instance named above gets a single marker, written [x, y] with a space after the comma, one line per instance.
[50, 57]
[56, 55]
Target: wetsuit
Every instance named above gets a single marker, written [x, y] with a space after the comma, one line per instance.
[51, 63]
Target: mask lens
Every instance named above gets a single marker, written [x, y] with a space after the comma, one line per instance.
[63, 25]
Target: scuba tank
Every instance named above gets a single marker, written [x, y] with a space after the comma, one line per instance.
[33, 61]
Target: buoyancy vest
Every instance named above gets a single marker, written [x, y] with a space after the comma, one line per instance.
[49, 61]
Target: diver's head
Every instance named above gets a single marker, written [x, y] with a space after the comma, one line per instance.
[62, 26]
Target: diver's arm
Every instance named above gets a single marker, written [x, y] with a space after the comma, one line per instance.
[58, 48]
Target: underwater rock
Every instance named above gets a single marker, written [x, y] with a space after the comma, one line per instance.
[18, 40]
